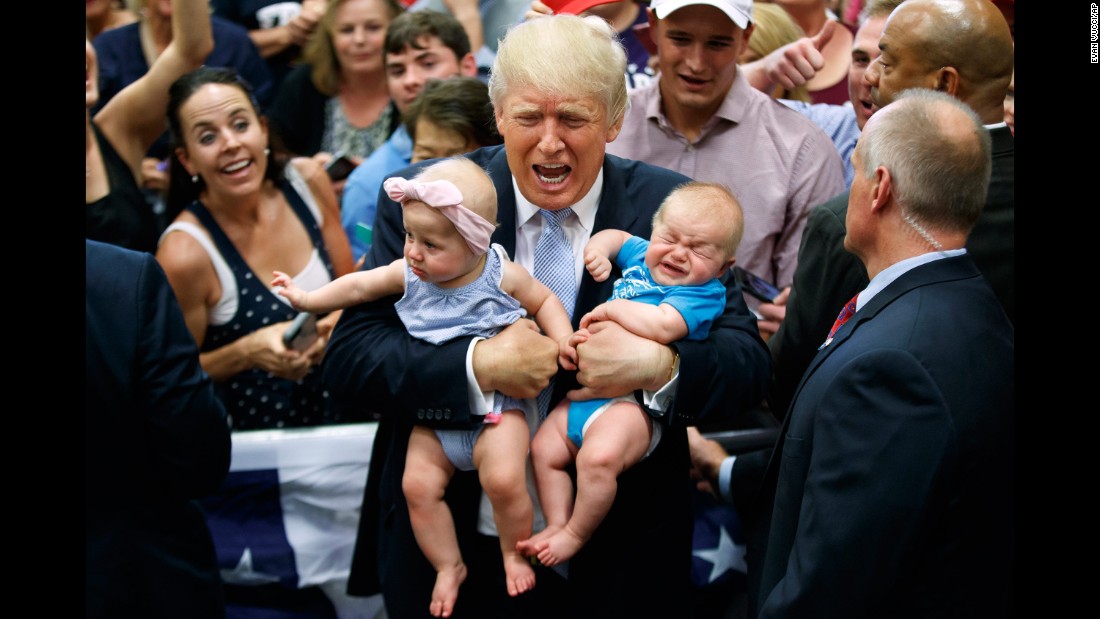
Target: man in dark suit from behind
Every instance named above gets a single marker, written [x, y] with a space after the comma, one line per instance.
[156, 439]
[890, 489]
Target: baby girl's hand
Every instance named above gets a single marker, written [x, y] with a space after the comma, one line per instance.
[567, 353]
[581, 336]
[281, 279]
[294, 294]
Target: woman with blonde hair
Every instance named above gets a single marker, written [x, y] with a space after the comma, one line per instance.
[338, 102]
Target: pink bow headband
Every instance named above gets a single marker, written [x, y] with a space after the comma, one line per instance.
[444, 196]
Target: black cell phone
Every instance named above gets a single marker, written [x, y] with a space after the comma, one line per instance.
[302, 332]
[755, 285]
[339, 167]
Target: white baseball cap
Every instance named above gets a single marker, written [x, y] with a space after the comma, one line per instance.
[740, 11]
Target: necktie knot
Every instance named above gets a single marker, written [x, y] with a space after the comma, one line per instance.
[555, 219]
[845, 313]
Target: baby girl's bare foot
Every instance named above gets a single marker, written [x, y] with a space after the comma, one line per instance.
[518, 573]
[445, 593]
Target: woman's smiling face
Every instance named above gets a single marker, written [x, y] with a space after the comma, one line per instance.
[224, 139]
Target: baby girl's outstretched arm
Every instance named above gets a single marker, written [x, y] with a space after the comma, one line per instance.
[345, 291]
[544, 307]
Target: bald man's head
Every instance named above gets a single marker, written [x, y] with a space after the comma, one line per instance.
[961, 47]
[938, 154]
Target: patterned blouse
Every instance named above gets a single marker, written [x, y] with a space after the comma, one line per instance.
[342, 137]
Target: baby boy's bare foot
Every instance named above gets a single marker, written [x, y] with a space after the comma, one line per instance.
[518, 573]
[447, 582]
[529, 546]
[561, 547]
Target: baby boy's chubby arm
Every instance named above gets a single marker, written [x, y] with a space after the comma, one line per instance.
[544, 307]
[601, 250]
[661, 323]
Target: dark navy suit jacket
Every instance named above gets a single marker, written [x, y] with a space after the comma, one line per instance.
[646, 538]
[156, 439]
[890, 493]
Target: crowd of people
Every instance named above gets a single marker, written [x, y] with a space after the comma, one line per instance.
[523, 276]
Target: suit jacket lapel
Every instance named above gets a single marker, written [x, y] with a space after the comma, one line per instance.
[505, 234]
[941, 270]
[614, 213]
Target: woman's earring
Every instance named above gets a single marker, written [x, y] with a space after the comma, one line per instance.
[195, 178]
[267, 151]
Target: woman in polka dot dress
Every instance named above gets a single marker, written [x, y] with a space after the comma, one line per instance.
[244, 214]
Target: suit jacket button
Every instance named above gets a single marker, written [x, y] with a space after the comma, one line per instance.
[419, 413]
[439, 413]
[446, 413]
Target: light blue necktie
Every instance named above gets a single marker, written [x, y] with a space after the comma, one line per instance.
[554, 266]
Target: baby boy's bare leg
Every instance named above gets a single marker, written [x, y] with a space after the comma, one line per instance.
[551, 454]
[616, 440]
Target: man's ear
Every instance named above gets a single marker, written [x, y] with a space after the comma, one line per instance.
[748, 34]
[467, 66]
[947, 81]
[613, 130]
[882, 189]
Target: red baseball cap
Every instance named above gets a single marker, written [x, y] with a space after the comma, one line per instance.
[575, 7]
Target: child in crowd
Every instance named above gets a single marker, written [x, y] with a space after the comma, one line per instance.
[455, 284]
[669, 290]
